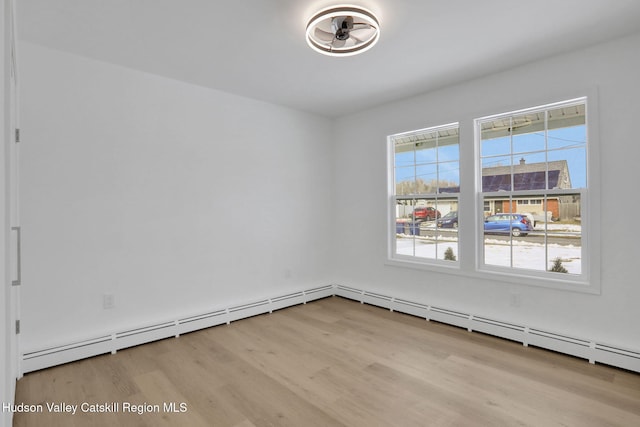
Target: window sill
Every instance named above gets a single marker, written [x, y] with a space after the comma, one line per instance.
[576, 284]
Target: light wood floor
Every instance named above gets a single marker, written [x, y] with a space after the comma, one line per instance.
[336, 362]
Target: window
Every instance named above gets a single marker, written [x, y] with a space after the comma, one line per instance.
[533, 177]
[522, 209]
[425, 194]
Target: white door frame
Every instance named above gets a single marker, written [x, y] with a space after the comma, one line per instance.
[9, 213]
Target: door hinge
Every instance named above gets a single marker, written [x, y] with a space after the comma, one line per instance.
[17, 327]
[17, 135]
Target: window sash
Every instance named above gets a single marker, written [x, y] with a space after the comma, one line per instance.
[486, 129]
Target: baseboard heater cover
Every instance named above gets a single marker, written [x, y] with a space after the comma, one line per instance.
[377, 299]
[118, 340]
[412, 308]
[614, 356]
[79, 348]
[592, 351]
[346, 290]
[498, 328]
[202, 321]
[150, 333]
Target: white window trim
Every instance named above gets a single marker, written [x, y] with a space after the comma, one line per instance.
[470, 239]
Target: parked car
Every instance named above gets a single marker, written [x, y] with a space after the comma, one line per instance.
[516, 224]
[427, 213]
[450, 220]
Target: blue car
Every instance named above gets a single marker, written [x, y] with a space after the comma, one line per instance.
[516, 224]
[450, 220]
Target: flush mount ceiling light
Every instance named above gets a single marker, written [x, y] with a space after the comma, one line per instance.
[343, 31]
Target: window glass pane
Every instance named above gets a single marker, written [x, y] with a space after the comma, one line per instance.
[405, 180]
[566, 117]
[571, 168]
[497, 250]
[564, 234]
[426, 213]
[405, 227]
[530, 172]
[572, 137]
[528, 134]
[493, 205]
[426, 179]
[405, 158]
[528, 247]
[404, 208]
[496, 173]
[450, 152]
[426, 152]
[426, 210]
[449, 177]
[507, 235]
[446, 230]
[495, 147]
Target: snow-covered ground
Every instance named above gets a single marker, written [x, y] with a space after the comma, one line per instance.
[522, 253]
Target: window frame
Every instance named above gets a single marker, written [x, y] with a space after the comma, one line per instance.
[392, 255]
[470, 203]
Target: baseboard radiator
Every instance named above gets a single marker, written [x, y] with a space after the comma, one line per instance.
[111, 343]
[594, 352]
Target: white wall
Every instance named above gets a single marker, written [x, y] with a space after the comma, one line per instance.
[171, 197]
[360, 241]
[177, 198]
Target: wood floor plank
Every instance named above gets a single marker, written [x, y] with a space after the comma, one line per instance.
[335, 362]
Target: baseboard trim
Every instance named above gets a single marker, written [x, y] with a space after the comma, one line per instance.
[141, 334]
[593, 351]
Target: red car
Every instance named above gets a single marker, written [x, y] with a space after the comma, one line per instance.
[427, 213]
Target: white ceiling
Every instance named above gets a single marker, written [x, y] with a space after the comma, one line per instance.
[256, 48]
